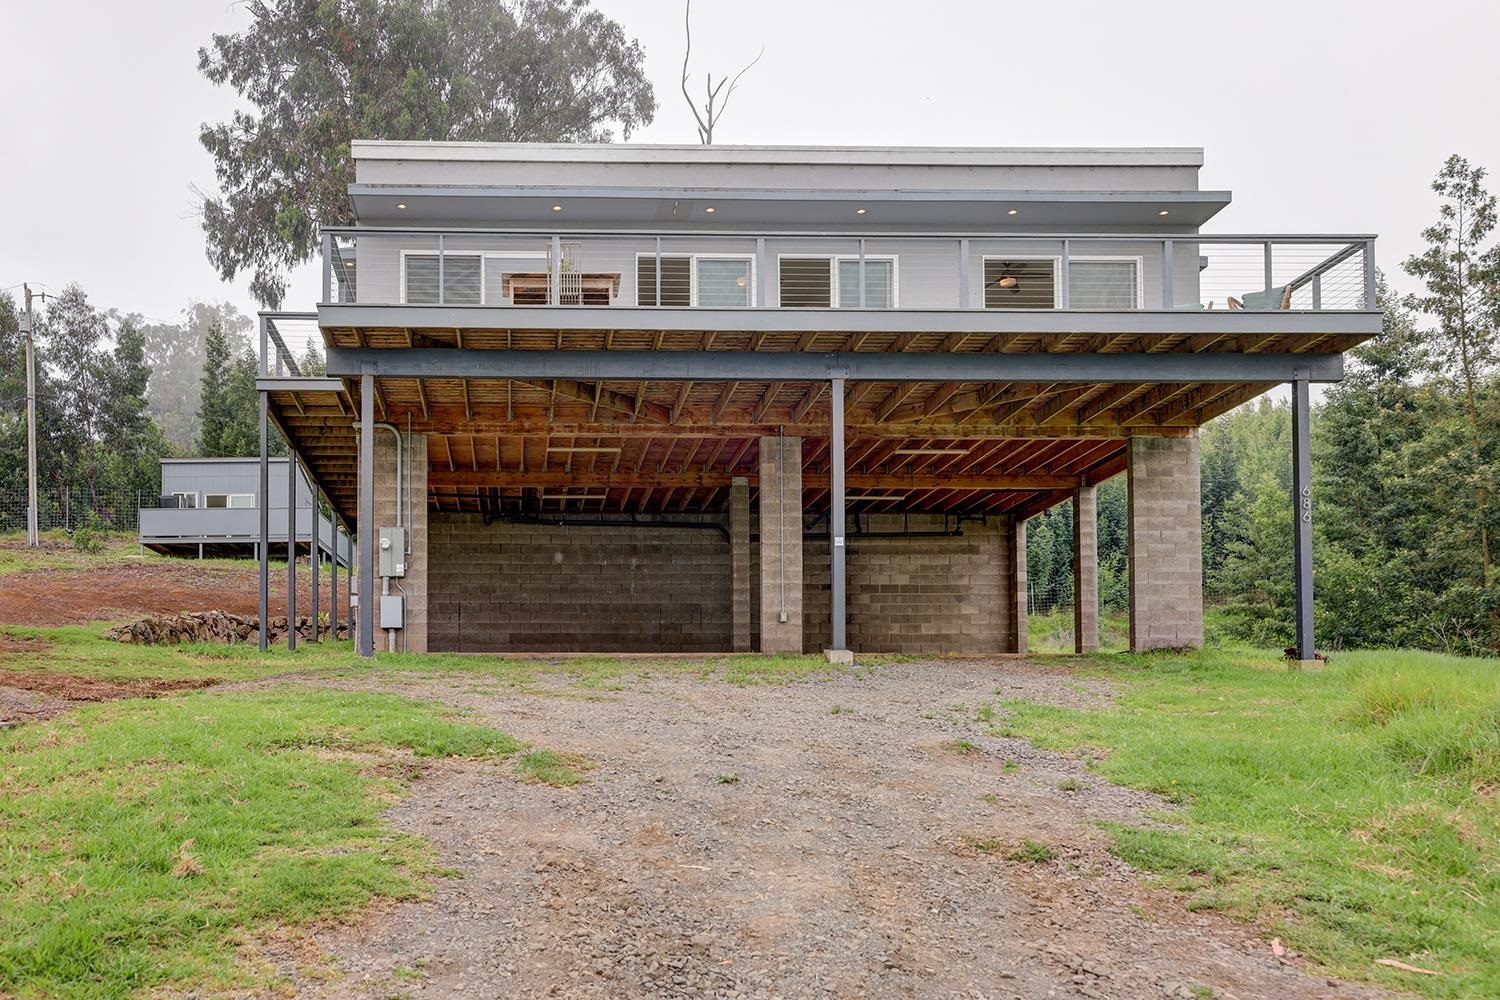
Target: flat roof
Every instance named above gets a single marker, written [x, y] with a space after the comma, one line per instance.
[623, 152]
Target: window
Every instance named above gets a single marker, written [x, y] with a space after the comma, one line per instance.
[710, 281]
[463, 278]
[880, 283]
[1103, 284]
[808, 282]
[185, 501]
[1093, 283]
[1011, 283]
[233, 501]
[723, 282]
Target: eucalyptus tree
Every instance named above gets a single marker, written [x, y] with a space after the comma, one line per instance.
[318, 74]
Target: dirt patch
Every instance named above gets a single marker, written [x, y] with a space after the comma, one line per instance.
[124, 590]
[811, 840]
[22, 644]
[30, 695]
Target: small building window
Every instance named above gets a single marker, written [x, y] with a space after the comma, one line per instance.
[676, 280]
[880, 283]
[723, 282]
[463, 278]
[712, 282]
[806, 282]
[234, 501]
[1103, 284]
[1019, 284]
[185, 501]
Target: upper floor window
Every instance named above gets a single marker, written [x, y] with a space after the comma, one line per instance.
[462, 275]
[236, 501]
[712, 281]
[833, 282]
[1032, 282]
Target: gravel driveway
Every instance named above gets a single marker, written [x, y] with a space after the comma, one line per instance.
[818, 839]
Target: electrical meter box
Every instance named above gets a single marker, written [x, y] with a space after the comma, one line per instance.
[392, 611]
[392, 557]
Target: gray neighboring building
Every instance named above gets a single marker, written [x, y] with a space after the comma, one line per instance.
[209, 507]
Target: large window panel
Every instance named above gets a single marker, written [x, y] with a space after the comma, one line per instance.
[1019, 284]
[806, 282]
[1103, 284]
[880, 284]
[723, 282]
[676, 280]
[461, 279]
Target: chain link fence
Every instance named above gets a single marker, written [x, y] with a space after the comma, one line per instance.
[65, 508]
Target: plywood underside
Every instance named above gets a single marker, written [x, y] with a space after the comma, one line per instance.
[668, 447]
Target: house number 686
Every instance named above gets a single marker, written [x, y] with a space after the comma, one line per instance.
[1307, 504]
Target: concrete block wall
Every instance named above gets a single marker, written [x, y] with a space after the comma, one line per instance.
[544, 588]
[1166, 545]
[780, 555]
[414, 519]
[915, 595]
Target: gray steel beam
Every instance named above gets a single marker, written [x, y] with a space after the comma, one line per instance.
[1083, 322]
[837, 549]
[1302, 518]
[263, 500]
[291, 548]
[793, 366]
[367, 514]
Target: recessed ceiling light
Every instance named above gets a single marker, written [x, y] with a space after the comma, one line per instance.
[860, 211]
[400, 204]
[1164, 212]
[557, 208]
[1014, 211]
[709, 210]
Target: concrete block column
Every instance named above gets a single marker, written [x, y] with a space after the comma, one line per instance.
[414, 520]
[739, 564]
[1015, 562]
[1166, 543]
[781, 545]
[1086, 569]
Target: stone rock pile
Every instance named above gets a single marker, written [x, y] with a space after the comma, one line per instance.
[211, 626]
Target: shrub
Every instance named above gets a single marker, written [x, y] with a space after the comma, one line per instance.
[89, 535]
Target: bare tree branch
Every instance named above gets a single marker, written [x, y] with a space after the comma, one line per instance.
[713, 107]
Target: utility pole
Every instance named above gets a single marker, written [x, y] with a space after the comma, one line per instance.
[33, 538]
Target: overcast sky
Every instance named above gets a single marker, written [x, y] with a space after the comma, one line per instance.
[1320, 116]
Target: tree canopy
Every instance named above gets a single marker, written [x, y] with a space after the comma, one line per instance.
[319, 74]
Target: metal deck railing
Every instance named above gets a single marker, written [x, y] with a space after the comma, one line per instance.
[913, 271]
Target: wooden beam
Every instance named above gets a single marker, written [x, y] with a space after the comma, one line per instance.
[696, 478]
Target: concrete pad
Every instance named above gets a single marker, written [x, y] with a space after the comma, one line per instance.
[841, 657]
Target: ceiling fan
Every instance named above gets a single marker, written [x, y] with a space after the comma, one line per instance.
[1010, 277]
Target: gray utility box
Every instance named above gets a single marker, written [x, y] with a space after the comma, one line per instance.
[392, 548]
[392, 611]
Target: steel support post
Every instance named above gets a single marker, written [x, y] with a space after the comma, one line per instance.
[263, 549]
[291, 548]
[1064, 280]
[367, 515]
[837, 548]
[963, 275]
[333, 586]
[315, 555]
[1302, 519]
[1168, 275]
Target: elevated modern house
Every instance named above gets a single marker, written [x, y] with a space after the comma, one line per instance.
[791, 399]
[211, 507]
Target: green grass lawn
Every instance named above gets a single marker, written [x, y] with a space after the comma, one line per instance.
[1355, 811]
[141, 841]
